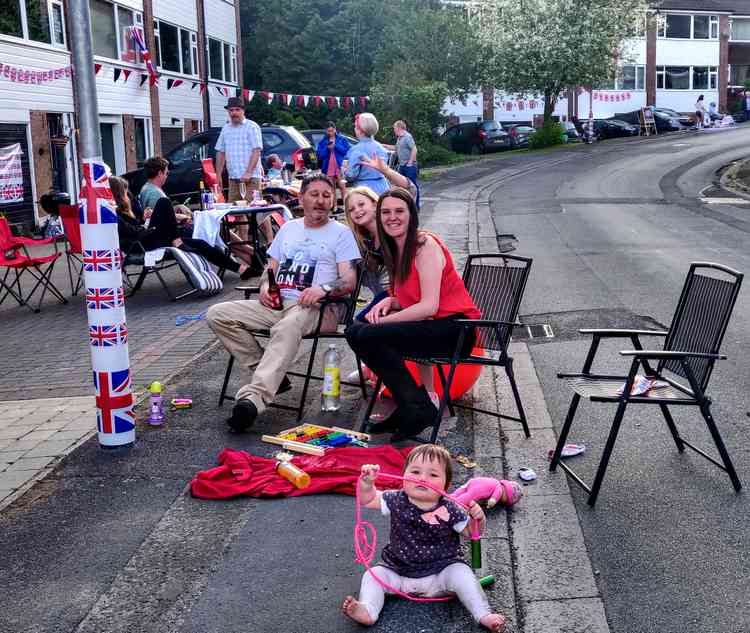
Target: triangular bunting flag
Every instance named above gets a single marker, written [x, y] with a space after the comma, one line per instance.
[246, 94]
[362, 102]
[170, 83]
[266, 96]
[192, 87]
[203, 88]
[153, 80]
[305, 100]
[219, 90]
[143, 79]
[177, 82]
[331, 102]
[316, 101]
[283, 98]
[117, 72]
[97, 68]
[126, 72]
[250, 95]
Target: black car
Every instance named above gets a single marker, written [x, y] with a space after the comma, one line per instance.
[613, 128]
[664, 122]
[476, 138]
[519, 135]
[685, 119]
[186, 170]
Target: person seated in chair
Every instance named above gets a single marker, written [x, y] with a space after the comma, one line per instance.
[312, 258]
[419, 318]
[163, 231]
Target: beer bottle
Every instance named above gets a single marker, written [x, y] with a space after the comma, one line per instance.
[274, 291]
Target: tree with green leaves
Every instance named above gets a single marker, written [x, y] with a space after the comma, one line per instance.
[542, 47]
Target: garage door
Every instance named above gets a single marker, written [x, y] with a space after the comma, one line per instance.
[20, 211]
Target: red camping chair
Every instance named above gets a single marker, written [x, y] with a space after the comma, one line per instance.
[211, 180]
[74, 251]
[40, 268]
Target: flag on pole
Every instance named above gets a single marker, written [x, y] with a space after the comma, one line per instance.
[114, 401]
[137, 36]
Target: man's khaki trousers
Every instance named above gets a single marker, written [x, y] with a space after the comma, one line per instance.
[234, 321]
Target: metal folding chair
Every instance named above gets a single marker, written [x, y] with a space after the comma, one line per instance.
[691, 347]
[15, 257]
[496, 283]
[350, 303]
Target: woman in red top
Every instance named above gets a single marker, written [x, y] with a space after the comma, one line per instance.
[418, 319]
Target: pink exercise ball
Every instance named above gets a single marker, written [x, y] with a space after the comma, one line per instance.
[463, 380]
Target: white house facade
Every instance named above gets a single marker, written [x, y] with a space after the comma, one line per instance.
[195, 46]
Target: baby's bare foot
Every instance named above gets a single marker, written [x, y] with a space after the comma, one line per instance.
[494, 622]
[354, 609]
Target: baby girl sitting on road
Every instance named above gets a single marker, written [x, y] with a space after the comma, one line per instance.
[423, 557]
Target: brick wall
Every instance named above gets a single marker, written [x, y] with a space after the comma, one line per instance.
[40, 153]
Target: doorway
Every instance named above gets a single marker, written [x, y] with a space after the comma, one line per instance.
[107, 131]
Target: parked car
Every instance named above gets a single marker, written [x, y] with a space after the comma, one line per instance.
[685, 119]
[315, 136]
[519, 135]
[186, 170]
[613, 128]
[476, 138]
[664, 122]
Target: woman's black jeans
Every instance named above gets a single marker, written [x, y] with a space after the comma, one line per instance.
[383, 349]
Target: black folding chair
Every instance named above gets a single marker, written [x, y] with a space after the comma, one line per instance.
[496, 283]
[691, 348]
[136, 258]
[350, 304]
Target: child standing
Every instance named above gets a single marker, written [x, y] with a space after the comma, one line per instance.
[423, 557]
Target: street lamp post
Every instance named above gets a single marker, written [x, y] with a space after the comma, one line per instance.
[105, 301]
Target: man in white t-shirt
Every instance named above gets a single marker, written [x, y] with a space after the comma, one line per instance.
[312, 258]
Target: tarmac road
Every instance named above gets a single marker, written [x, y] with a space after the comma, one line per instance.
[612, 235]
[111, 543]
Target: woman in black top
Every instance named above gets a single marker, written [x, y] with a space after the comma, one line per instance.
[163, 231]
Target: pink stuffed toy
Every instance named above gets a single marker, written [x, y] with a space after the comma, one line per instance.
[481, 488]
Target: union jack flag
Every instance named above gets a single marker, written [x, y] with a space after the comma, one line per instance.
[137, 36]
[104, 298]
[97, 203]
[108, 335]
[114, 401]
[100, 261]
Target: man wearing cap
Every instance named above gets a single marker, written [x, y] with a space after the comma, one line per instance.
[239, 147]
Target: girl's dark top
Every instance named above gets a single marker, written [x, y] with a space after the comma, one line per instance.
[161, 232]
[418, 548]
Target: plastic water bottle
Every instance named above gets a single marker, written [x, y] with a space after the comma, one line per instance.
[331, 397]
[156, 407]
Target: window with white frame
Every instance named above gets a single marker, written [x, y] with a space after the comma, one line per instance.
[176, 48]
[35, 20]
[705, 77]
[142, 129]
[686, 27]
[629, 77]
[687, 77]
[110, 30]
[740, 28]
[222, 61]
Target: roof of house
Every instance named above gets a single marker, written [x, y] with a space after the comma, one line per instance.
[741, 7]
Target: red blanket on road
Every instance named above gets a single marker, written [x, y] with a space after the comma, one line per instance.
[241, 473]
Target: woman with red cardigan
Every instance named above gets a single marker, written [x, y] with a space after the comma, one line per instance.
[419, 317]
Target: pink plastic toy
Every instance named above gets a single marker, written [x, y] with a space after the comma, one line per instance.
[491, 489]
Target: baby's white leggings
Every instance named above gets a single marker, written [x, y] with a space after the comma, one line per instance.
[456, 578]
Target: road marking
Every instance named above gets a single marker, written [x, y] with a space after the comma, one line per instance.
[725, 201]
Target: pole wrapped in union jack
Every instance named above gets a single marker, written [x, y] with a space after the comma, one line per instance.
[137, 35]
[105, 308]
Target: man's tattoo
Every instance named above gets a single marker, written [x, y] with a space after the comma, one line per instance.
[340, 286]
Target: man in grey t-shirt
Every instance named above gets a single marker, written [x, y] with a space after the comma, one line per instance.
[406, 150]
[312, 258]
